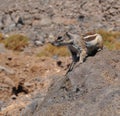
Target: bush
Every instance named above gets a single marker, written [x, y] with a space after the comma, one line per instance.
[50, 50]
[111, 39]
[16, 42]
[1, 38]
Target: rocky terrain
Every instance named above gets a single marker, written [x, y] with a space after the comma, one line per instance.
[23, 76]
[91, 89]
[41, 18]
[36, 86]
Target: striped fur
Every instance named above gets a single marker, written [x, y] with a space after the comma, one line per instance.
[80, 47]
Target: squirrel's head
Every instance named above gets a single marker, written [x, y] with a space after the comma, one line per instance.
[60, 39]
[64, 39]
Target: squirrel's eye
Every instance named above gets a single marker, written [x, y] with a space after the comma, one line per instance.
[59, 37]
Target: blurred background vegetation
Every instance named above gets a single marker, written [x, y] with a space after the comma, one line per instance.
[15, 42]
[18, 42]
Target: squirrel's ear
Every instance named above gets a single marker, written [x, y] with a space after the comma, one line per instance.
[66, 33]
[69, 35]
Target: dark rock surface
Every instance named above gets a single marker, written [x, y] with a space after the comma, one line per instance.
[92, 89]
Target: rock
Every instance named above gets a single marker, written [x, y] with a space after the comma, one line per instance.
[91, 89]
[6, 70]
[38, 43]
[45, 21]
[9, 82]
[30, 108]
[50, 16]
[2, 48]
[19, 21]
[6, 19]
[11, 27]
[1, 104]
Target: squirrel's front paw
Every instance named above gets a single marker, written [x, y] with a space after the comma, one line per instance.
[81, 62]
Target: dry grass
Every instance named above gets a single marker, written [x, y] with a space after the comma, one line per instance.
[1, 38]
[50, 50]
[111, 39]
[16, 42]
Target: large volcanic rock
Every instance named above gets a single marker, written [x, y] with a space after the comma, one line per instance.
[91, 89]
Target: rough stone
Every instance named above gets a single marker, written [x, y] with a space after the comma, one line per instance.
[91, 89]
[6, 70]
[49, 16]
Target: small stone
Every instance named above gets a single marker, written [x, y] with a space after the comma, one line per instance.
[13, 97]
[38, 43]
[6, 70]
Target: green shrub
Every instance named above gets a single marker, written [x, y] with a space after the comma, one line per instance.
[16, 42]
[50, 50]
